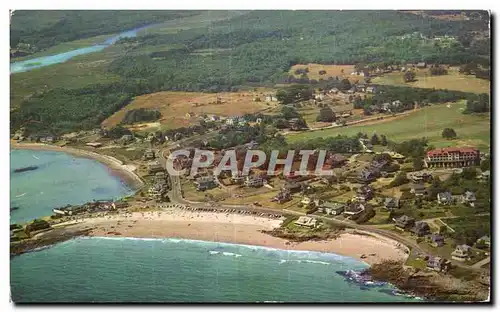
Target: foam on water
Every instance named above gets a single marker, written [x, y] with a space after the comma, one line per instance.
[123, 269]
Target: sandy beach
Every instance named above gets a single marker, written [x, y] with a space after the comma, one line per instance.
[125, 172]
[234, 228]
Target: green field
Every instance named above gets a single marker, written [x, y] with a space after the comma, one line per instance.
[453, 81]
[429, 122]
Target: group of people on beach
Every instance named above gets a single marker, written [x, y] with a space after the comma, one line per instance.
[238, 211]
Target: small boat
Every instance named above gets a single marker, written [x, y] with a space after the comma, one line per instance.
[14, 208]
[20, 195]
[26, 169]
[35, 157]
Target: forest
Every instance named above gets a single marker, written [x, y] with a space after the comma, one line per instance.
[41, 31]
[254, 49]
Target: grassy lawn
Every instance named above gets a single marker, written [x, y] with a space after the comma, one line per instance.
[416, 263]
[453, 81]
[341, 71]
[472, 130]
[381, 217]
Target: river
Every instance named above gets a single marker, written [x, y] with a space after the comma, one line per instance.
[27, 65]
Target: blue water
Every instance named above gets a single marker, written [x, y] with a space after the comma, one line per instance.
[27, 65]
[174, 270]
[59, 180]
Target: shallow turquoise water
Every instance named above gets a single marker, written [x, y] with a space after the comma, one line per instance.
[174, 270]
[59, 180]
[27, 65]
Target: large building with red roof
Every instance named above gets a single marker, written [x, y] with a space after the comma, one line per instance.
[450, 157]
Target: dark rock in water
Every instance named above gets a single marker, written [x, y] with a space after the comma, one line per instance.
[25, 169]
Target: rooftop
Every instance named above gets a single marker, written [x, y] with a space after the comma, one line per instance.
[452, 150]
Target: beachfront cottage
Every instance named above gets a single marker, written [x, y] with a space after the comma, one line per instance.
[391, 203]
[330, 208]
[354, 209]
[421, 228]
[254, 181]
[437, 240]
[437, 264]
[461, 252]
[205, 183]
[307, 222]
[404, 222]
[282, 197]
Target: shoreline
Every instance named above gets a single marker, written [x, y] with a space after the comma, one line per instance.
[233, 229]
[124, 172]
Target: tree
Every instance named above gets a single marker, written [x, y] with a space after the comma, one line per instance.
[289, 112]
[409, 76]
[383, 140]
[443, 229]
[344, 84]
[437, 70]
[375, 140]
[485, 164]
[478, 104]
[382, 157]
[418, 163]
[400, 179]
[449, 133]
[469, 173]
[326, 114]
[469, 68]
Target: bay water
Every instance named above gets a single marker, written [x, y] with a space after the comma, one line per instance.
[60, 179]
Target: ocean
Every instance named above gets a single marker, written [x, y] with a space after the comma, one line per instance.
[173, 270]
[157, 270]
[60, 179]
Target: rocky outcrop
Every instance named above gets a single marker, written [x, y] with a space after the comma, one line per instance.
[431, 285]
